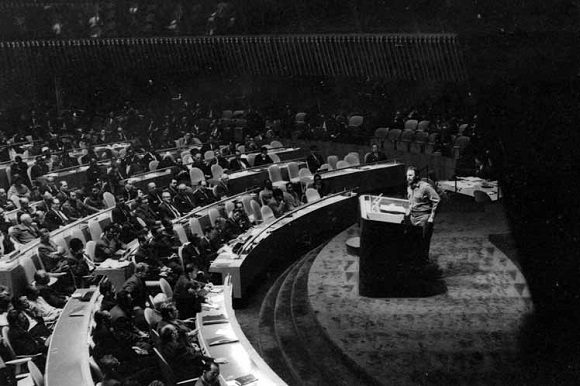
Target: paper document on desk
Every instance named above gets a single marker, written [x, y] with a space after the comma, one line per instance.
[392, 208]
[110, 263]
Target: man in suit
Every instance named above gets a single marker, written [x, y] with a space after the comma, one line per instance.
[375, 155]
[154, 196]
[263, 158]
[166, 208]
[26, 231]
[74, 209]
[184, 200]
[314, 159]
[238, 163]
[135, 285]
[202, 195]
[40, 168]
[145, 212]
[55, 218]
[222, 189]
[129, 192]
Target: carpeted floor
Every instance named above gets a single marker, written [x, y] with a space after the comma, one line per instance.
[468, 335]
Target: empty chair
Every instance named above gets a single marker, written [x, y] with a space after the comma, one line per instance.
[393, 137]
[305, 176]
[276, 144]
[95, 230]
[462, 128]
[27, 265]
[312, 195]
[481, 197]
[423, 126]
[109, 200]
[213, 214]
[381, 134]
[209, 155]
[411, 124]
[418, 146]
[407, 136]
[166, 288]
[187, 159]
[16, 200]
[275, 157]
[216, 171]
[342, 164]
[247, 203]
[332, 161]
[229, 208]
[293, 172]
[276, 177]
[90, 248]
[241, 148]
[355, 121]
[300, 118]
[267, 213]
[60, 241]
[461, 142]
[178, 228]
[153, 165]
[184, 153]
[251, 158]
[256, 211]
[353, 159]
[195, 227]
[324, 167]
[196, 176]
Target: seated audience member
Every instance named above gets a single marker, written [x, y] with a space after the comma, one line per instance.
[50, 186]
[26, 231]
[277, 203]
[74, 209]
[25, 208]
[45, 203]
[222, 188]
[166, 209]
[172, 187]
[238, 163]
[210, 375]
[5, 202]
[94, 172]
[109, 245]
[263, 158]
[239, 221]
[94, 201]
[167, 162]
[22, 341]
[165, 241]
[265, 195]
[5, 305]
[180, 171]
[154, 196]
[314, 159]
[188, 292]
[292, 197]
[129, 192]
[155, 315]
[183, 201]
[55, 218]
[109, 366]
[109, 298]
[78, 265]
[202, 195]
[52, 256]
[318, 185]
[375, 155]
[40, 168]
[18, 188]
[40, 306]
[44, 285]
[36, 325]
[19, 168]
[221, 159]
[63, 192]
[135, 285]
[170, 316]
[146, 213]
[184, 360]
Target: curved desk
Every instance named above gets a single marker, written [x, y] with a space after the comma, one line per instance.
[242, 359]
[298, 231]
[366, 178]
[68, 354]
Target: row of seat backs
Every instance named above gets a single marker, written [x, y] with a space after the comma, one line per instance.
[354, 121]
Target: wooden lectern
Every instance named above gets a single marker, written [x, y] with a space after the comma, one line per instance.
[391, 262]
